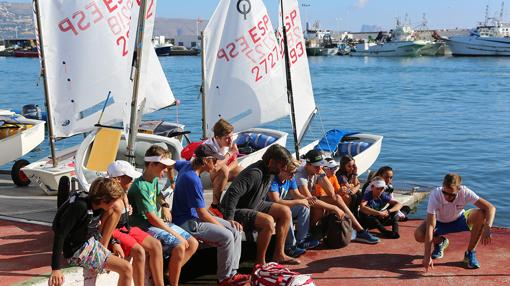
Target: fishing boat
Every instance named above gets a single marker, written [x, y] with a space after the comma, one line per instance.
[89, 81]
[490, 38]
[18, 136]
[399, 43]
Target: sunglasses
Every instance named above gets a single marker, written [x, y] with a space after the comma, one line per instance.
[451, 195]
[214, 159]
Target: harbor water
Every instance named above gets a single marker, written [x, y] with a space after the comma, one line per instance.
[437, 114]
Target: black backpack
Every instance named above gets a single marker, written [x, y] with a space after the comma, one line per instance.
[80, 195]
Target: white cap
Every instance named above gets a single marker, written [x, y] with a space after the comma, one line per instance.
[160, 159]
[121, 168]
[330, 163]
[378, 183]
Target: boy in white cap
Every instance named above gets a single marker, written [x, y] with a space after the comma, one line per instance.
[372, 212]
[130, 240]
[145, 197]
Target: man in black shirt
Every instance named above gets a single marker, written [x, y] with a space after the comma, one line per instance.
[76, 233]
[244, 202]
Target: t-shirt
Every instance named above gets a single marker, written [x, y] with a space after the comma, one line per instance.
[143, 197]
[376, 203]
[320, 192]
[211, 141]
[303, 179]
[446, 211]
[283, 188]
[188, 193]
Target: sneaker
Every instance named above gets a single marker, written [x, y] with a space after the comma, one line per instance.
[294, 251]
[440, 248]
[236, 280]
[215, 211]
[366, 237]
[309, 243]
[470, 260]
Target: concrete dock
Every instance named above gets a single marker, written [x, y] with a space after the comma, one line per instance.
[26, 241]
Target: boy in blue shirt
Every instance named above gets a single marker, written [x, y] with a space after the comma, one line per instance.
[284, 190]
[188, 211]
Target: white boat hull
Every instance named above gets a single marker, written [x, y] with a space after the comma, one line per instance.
[479, 46]
[18, 145]
[47, 176]
[143, 142]
[247, 160]
[431, 49]
[365, 159]
[389, 49]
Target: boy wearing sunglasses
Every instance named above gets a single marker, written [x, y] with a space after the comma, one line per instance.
[446, 214]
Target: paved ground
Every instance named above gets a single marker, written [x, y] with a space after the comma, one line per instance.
[25, 253]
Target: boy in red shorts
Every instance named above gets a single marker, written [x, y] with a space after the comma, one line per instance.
[131, 240]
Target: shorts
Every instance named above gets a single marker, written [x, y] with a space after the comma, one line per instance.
[246, 217]
[129, 240]
[91, 256]
[458, 225]
[168, 240]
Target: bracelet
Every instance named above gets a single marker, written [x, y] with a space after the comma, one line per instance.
[113, 241]
[165, 205]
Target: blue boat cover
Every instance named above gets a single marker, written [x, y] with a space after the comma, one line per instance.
[329, 143]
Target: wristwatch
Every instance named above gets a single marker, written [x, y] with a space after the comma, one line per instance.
[165, 205]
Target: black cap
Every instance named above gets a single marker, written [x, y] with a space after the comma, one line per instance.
[206, 150]
[314, 157]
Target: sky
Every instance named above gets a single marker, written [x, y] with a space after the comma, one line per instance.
[350, 15]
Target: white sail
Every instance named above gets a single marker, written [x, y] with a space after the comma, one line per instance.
[88, 56]
[304, 102]
[245, 80]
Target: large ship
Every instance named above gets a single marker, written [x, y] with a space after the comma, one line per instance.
[490, 38]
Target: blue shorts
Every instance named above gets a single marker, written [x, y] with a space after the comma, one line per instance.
[458, 225]
[168, 240]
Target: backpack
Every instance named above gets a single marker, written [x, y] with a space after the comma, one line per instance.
[189, 150]
[337, 231]
[274, 274]
[63, 207]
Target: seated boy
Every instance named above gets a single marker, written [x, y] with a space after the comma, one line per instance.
[131, 240]
[284, 191]
[189, 212]
[445, 214]
[145, 198]
[226, 169]
[371, 213]
[77, 235]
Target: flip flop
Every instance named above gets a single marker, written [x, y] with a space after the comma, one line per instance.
[290, 261]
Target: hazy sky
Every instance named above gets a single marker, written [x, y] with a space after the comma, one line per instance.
[351, 14]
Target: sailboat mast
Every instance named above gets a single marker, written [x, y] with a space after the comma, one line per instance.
[202, 54]
[133, 121]
[290, 94]
[47, 98]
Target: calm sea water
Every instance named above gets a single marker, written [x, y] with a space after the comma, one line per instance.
[437, 115]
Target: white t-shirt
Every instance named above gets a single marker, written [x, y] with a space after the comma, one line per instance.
[446, 211]
[223, 151]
